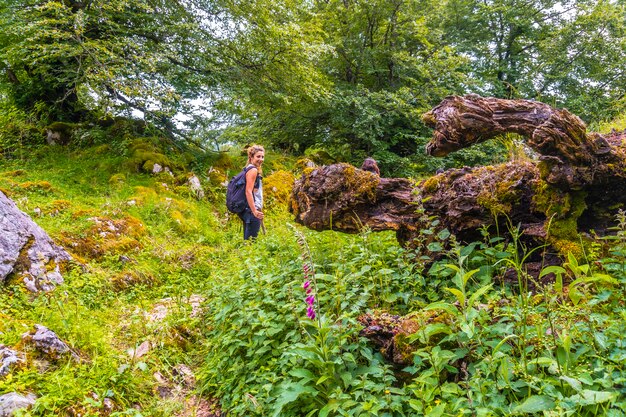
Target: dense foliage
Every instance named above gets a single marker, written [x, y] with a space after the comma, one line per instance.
[477, 341]
[348, 77]
[180, 315]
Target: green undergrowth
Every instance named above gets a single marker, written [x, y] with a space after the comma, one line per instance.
[489, 348]
[275, 328]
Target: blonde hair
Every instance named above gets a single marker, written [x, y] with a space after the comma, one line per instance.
[253, 149]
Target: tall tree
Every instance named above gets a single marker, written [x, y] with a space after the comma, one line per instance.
[65, 59]
[346, 75]
[389, 65]
[567, 52]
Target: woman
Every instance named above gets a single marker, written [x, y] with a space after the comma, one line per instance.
[252, 216]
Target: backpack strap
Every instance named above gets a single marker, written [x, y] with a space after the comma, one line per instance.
[256, 181]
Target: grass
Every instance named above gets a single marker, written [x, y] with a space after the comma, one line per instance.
[175, 276]
[186, 246]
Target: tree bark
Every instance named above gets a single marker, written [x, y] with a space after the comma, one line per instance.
[565, 190]
[570, 158]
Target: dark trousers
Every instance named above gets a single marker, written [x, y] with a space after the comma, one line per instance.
[251, 225]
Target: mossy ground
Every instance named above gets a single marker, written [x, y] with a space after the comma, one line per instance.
[162, 279]
[137, 239]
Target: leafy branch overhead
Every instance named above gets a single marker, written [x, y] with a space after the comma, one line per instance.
[300, 75]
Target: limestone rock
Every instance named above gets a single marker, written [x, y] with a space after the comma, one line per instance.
[196, 187]
[26, 250]
[48, 344]
[8, 358]
[11, 402]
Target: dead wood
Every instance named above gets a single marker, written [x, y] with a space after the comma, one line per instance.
[570, 158]
[566, 190]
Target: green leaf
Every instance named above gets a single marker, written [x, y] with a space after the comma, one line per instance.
[572, 262]
[544, 361]
[435, 247]
[468, 328]
[302, 373]
[573, 382]
[443, 234]
[441, 305]
[331, 406]
[534, 404]
[469, 274]
[415, 405]
[429, 331]
[558, 284]
[347, 378]
[554, 269]
[322, 379]
[477, 294]
[291, 394]
[590, 397]
[575, 295]
[436, 411]
[436, 328]
[502, 342]
[460, 297]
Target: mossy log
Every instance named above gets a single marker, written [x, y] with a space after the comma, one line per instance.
[344, 198]
[576, 183]
[570, 158]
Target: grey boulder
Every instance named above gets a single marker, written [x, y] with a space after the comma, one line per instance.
[27, 250]
[11, 402]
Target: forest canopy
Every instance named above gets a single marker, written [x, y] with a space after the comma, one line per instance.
[305, 76]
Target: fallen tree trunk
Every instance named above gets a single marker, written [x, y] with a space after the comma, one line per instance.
[570, 158]
[569, 188]
[26, 251]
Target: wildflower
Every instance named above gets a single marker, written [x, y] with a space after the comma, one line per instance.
[308, 271]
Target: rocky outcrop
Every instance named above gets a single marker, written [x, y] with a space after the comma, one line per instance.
[48, 344]
[196, 187]
[9, 358]
[11, 402]
[27, 251]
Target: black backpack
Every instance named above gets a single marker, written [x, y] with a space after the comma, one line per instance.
[236, 192]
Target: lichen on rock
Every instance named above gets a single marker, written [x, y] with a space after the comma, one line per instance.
[26, 252]
[9, 359]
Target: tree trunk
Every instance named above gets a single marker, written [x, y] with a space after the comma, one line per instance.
[565, 191]
[26, 251]
[570, 158]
